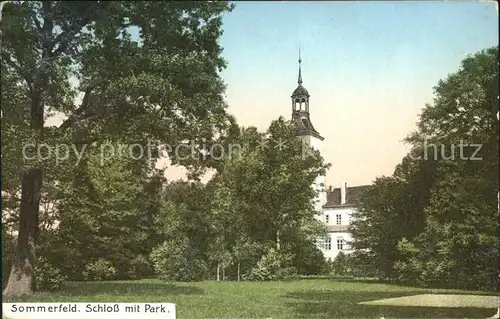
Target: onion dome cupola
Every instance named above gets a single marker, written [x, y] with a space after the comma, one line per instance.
[300, 108]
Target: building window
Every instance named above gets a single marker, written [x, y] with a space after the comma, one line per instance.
[327, 218]
[328, 243]
[340, 243]
[339, 219]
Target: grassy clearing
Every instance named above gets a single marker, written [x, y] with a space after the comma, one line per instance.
[317, 298]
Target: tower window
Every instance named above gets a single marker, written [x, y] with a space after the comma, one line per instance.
[339, 219]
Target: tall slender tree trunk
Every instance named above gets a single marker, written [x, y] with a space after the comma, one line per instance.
[2, 3]
[278, 244]
[223, 274]
[239, 271]
[218, 272]
[22, 279]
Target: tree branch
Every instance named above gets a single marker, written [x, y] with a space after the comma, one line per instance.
[37, 22]
[65, 37]
[71, 119]
[48, 23]
[25, 75]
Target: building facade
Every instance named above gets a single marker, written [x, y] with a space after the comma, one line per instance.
[337, 214]
[335, 206]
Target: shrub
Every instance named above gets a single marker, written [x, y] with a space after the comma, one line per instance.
[100, 269]
[274, 265]
[8, 248]
[140, 267]
[356, 264]
[341, 265]
[308, 259]
[177, 260]
[48, 277]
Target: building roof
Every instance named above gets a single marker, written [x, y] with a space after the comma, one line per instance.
[300, 91]
[353, 196]
[304, 127]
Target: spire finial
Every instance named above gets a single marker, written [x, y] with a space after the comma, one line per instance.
[300, 71]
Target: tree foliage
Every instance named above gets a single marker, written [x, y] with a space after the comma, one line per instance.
[145, 70]
[441, 202]
[263, 197]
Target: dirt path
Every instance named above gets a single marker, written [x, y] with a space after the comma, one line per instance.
[432, 300]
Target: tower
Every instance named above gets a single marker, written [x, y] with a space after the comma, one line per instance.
[306, 131]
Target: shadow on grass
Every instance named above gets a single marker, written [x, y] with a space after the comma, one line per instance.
[361, 280]
[421, 290]
[128, 288]
[344, 304]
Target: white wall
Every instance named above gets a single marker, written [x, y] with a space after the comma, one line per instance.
[319, 183]
[345, 213]
[334, 251]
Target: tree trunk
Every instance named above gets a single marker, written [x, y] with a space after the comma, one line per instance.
[278, 246]
[22, 279]
[223, 274]
[218, 272]
[238, 271]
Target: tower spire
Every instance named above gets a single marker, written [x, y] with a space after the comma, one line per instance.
[300, 71]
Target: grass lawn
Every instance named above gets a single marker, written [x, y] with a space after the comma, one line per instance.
[313, 298]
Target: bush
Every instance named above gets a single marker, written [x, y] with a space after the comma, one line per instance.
[358, 264]
[274, 265]
[308, 259]
[178, 261]
[140, 267]
[100, 269]
[48, 277]
[8, 249]
[341, 265]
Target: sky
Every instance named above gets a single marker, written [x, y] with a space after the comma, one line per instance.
[370, 68]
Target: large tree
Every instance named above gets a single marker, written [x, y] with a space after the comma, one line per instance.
[263, 190]
[397, 203]
[441, 203]
[145, 70]
[460, 241]
[103, 212]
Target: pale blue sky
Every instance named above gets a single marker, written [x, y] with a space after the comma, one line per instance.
[369, 67]
[344, 43]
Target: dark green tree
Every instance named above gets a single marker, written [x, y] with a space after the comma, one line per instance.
[459, 245]
[164, 86]
[264, 194]
[441, 205]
